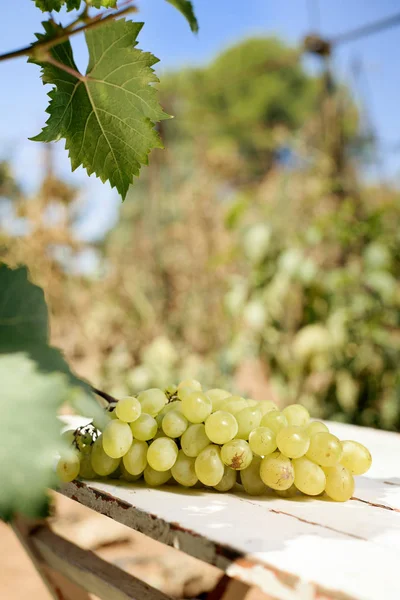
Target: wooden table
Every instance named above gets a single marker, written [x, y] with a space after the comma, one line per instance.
[291, 549]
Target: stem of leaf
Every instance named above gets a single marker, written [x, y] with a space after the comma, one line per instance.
[96, 21]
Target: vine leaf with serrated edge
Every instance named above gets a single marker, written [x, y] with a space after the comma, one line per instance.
[107, 116]
[30, 435]
[186, 8]
[57, 5]
[24, 328]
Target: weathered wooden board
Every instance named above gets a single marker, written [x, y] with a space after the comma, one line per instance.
[300, 549]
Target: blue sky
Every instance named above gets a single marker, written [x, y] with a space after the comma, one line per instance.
[222, 22]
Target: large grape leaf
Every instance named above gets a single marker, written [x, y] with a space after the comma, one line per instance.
[24, 328]
[106, 116]
[29, 433]
[186, 8]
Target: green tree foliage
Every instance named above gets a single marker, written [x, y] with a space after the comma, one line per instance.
[235, 104]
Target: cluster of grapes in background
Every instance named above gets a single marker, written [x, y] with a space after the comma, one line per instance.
[217, 440]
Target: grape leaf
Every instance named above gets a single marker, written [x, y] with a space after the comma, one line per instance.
[106, 116]
[29, 433]
[186, 8]
[24, 328]
[49, 5]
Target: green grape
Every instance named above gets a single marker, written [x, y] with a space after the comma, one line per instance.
[247, 419]
[228, 480]
[193, 384]
[144, 428]
[155, 478]
[126, 476]
[234, 404]
[162, 454]
[183, 470]
[194, 440]
[289, 493]
[174, 405]
[209, 466]
[68, 437]
[262, 441]
[174, 424]
[267, 406]
[316, 427]
[292, 441]
[102, 463]
[68, 467]
[251, 480]
[152, 401]
[185, 391]
[217, 396]
[296, 415]
[128, 409]
[325, 449]
[356, 457]
[117, 438]
[86, 470]
[339, 483]
[309, 478]
[274, 420]
[236, 454]
[135, 460]
[221, 427]
[196, 407]
[252, 403]
[171, 390]
[112, 414]
[276, 471]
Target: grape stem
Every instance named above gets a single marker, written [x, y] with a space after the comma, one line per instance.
[44, 45]
[107, 397]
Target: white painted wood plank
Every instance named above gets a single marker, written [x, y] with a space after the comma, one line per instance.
[353, 548]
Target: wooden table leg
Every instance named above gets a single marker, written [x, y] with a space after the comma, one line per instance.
[59, 586]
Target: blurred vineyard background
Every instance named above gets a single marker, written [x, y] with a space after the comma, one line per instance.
[253, 253]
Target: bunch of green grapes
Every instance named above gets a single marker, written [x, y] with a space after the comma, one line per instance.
[214, 439]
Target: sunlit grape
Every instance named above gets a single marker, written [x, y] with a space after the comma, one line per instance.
[325, 449]
[128, 409]
[355, 457]
[247, 419]
[68, 467]
[162, 454]
[309, 478]
[234, 404]
[316, 427]
[102, 464]
[339, 483]
[266, 406]
[276, 471]
[274, 420]
[292, 441]
[296, 415]
[217, 396]
[174, 405]
[196, 407]
[152, 401]
[183, 470]
[221, 427]
[236, 454]
[126, 476]
[194, 440]
[135, 460]
[117, 438]
[262, 441]
[209, 466]
[174, 424]
[144, 428]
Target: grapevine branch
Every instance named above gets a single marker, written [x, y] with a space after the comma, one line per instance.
[43, 46]
[104, 395]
